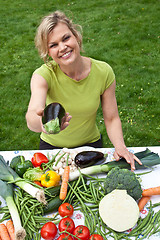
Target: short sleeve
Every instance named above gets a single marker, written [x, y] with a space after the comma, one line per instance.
[110, 76]
[46, 72]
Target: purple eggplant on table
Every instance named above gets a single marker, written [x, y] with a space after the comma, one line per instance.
[88, 158]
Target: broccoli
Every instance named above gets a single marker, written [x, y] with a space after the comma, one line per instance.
[123, 179]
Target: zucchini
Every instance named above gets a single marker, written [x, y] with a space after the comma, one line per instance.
[54, 191]
[52, 205]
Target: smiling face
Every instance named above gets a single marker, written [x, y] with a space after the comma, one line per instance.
[63, 46]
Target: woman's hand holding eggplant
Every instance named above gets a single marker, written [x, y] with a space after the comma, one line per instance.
[65, 121]
[40, 114]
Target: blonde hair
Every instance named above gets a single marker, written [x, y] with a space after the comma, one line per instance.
[47, 24]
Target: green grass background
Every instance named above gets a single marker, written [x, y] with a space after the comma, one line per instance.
[123, 33]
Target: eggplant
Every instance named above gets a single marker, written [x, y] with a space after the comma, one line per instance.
[88, 158]
[52, 117]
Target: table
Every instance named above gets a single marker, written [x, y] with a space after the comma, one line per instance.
[151, 179]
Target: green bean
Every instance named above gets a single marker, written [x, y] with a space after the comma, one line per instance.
[102, 187]
[60, 158]
[5, 217]
[115, 235]
[49, 165]
[84, 207]
[145, 234]
[71, 191]
[85, 199]
[143, 223]
[28, 217]
[156, 205]
[93, 219]
[4, 209]
[92, 190]
[155, 222]
[102, 224]
[94, 178]
[99, 228]
[84, 193]
[38, 236]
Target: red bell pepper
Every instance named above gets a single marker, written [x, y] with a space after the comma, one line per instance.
[38, 159]
[38, 183]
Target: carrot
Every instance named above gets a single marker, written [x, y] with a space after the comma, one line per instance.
[142, 202]
[10, 227]
[64, 185]
[65, 179]
[151, 191]
[4, 232]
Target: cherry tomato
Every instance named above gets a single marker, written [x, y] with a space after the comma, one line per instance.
[65, 209]
[81, 232]
[65, 236]
[66, 224]
[49, 231]
[96, 237]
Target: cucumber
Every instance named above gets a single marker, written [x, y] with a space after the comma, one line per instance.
[53, 190]
[52, 205]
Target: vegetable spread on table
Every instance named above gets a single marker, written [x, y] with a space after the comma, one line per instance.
[41, 195]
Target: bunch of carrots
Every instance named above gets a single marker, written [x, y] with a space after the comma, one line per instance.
[146, 195]
[7, 231]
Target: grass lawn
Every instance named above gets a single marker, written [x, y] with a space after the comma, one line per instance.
[123, 33]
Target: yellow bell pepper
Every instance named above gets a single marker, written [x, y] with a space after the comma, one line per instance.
[50, 179]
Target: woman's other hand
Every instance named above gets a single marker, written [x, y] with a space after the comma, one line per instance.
[130, 157]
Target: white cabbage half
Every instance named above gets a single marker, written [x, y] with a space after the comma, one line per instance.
[119, 211]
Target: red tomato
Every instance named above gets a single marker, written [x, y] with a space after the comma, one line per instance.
[49, 231]
[96, 237]
[65, 236]
[65, 209]
[81, 232]
[66, 224]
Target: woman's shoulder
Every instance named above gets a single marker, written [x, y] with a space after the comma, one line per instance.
[47, 67]
[47, 71]
[100, 65]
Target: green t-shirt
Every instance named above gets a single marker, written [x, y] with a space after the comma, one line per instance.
[80, 98]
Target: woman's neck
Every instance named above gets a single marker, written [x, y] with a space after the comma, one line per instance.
[79, 70]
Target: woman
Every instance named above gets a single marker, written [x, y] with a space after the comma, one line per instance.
[78, 83]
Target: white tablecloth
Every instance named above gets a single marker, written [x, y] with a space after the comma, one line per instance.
[151, 179]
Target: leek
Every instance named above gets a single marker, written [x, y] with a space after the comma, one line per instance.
[6, 191]
[9, 175]
[148, 159]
